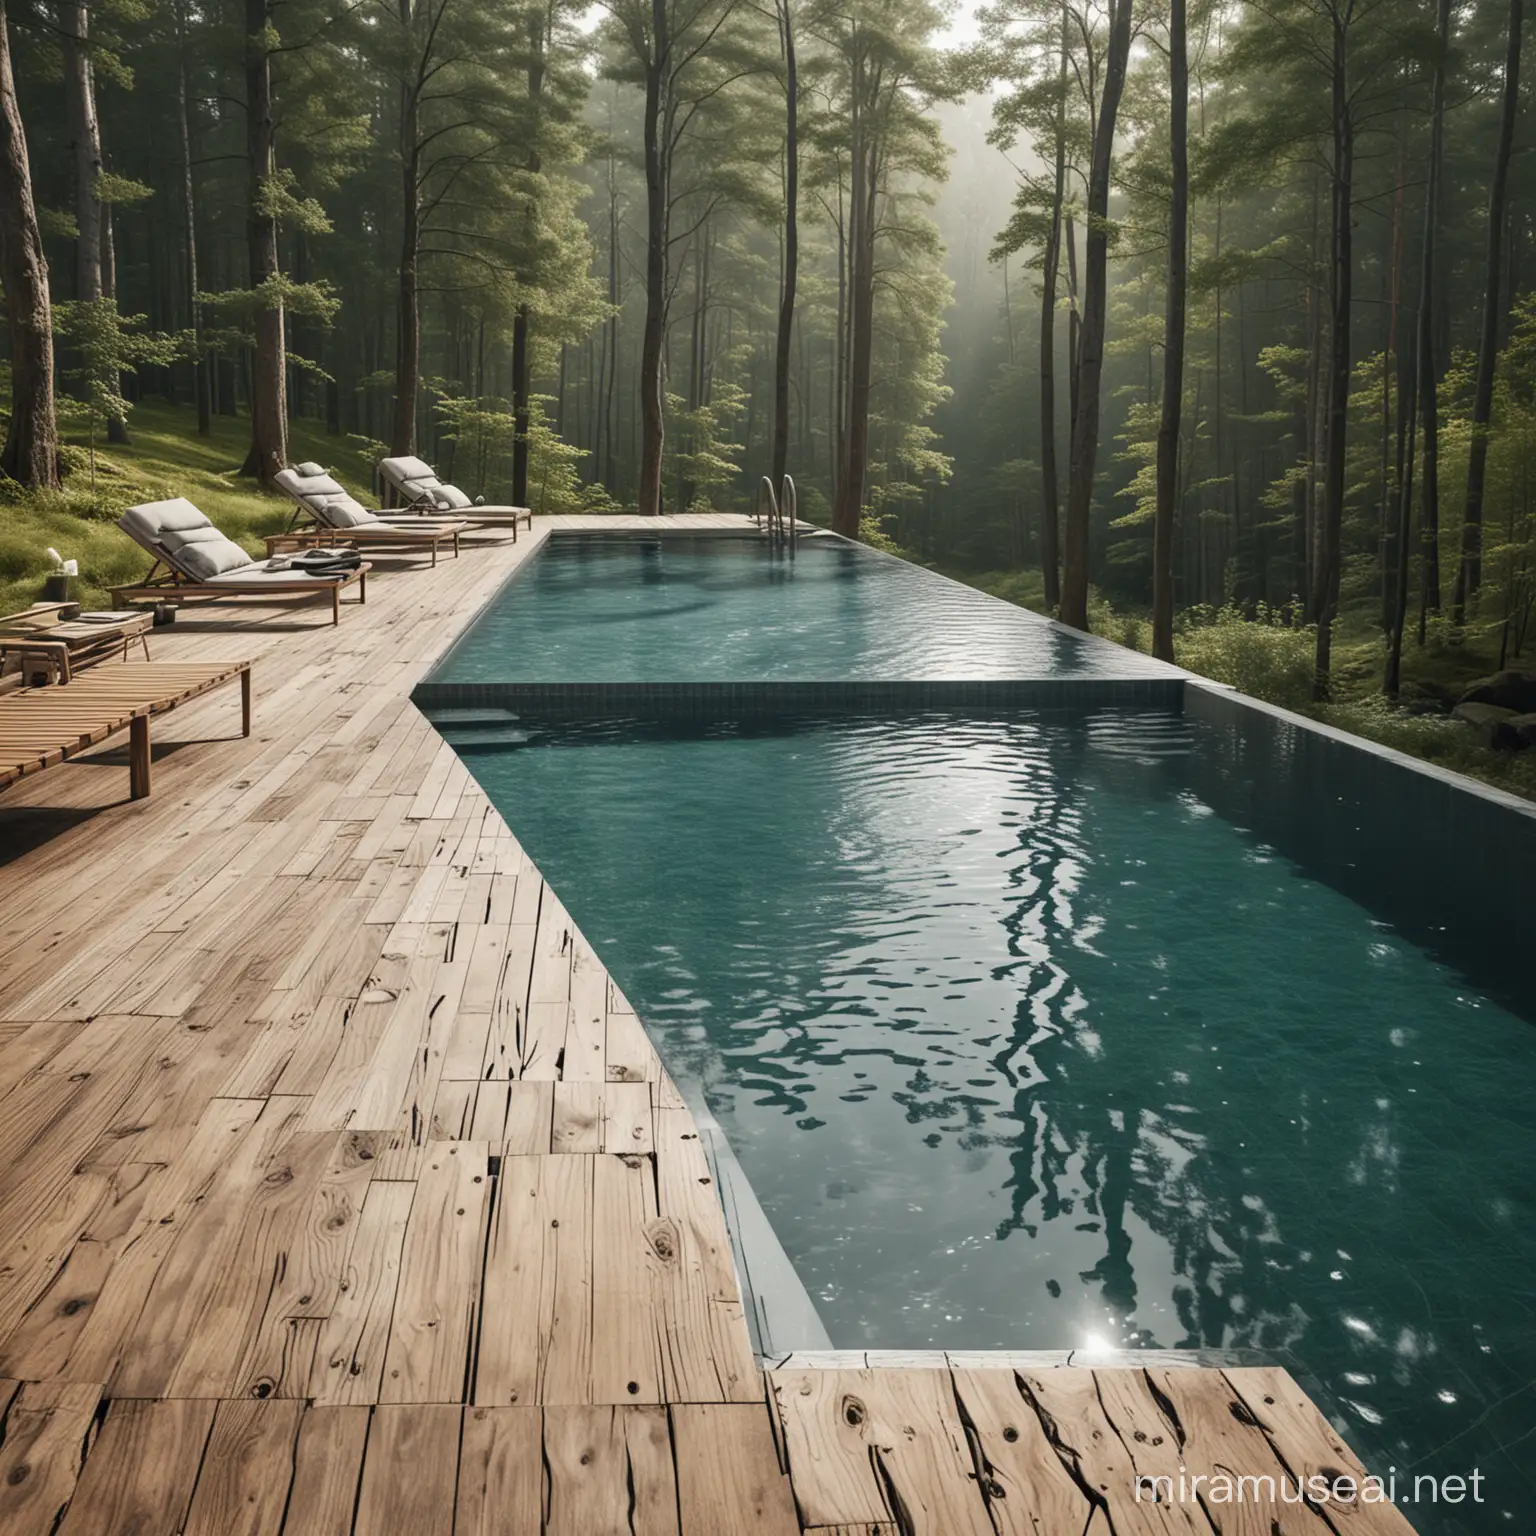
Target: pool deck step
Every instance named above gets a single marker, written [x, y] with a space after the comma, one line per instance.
[343, 1192]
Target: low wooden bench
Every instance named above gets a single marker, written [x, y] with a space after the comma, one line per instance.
[43, 726]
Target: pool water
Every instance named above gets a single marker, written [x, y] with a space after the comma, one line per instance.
[685, 609]
[1022, 1045]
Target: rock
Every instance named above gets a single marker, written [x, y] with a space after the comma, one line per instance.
[1492, 723]
[1523, 726]
[1510, 689]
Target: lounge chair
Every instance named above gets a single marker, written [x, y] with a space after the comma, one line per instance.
[335, 515]
[194, 560]
[420, 491]
[43, 726]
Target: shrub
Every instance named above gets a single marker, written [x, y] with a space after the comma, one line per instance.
[1259, 655]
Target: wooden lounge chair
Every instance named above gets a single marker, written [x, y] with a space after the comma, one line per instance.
[336, 517]
[194, 560]
[42, 726]
[48, 647]
[414, 481]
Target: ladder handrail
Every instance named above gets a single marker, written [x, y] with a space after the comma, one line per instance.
[775, 515]
[789, 504]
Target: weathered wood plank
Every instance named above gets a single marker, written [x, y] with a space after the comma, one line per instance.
[610, 1469]
[1103, 1455]
[439, 1292]
[729, 1481]
[409, 1471]
[626, 1338]
[242, 1489]
[876, 1446]
[47, 1427]
[1028, 1488]
[707, 1354]
[501, 1473]
[141, 1471]
[327, 1465]
[1311, 1447]
[536, 1328]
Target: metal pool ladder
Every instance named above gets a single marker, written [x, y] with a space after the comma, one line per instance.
[782, 511]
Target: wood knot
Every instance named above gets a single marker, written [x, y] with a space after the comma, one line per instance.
[1010, 1434]
[854, 1412]
[1335, 1478]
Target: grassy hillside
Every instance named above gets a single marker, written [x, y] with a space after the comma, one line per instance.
[166, 458]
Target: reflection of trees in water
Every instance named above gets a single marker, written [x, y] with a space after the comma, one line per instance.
[1100, 1153]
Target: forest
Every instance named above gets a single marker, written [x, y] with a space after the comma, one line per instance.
[1208, 324]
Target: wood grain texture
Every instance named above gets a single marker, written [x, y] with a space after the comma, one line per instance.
[438, 1297]
[141, 1471]
[46, 1430]
[242, 1488]
[729, 1480]
[501, 1473]
[410, 1471]
[610, 1470]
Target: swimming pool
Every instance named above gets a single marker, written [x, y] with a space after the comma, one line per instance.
[1028, 1037]
[630, 609]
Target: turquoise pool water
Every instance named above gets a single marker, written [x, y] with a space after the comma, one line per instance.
[1025, 1036]
[685, 609]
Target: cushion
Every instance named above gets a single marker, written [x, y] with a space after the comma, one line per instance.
[450, 498]
[146, 523]
[309, 469]
[419, 490]
[322, 485]
[407, 467]
[211, 557]
[343, 511]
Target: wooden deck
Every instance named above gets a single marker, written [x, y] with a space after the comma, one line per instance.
[341, 1191]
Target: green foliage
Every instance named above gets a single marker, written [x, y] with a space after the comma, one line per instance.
[106, 345]
[700, 459]
[1266, 654]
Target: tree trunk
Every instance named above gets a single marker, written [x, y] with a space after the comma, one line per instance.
[1173, 336]
[200, 390]
[1090, 362]
[1425, 391]
[847, 511]
[402, 431]
[522, 383]
[31, 455]
[1343, 271]
[1469, 576]
[784, 338]
[85, 147]
[1050, 490]
[653, 338]
[269, 405]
